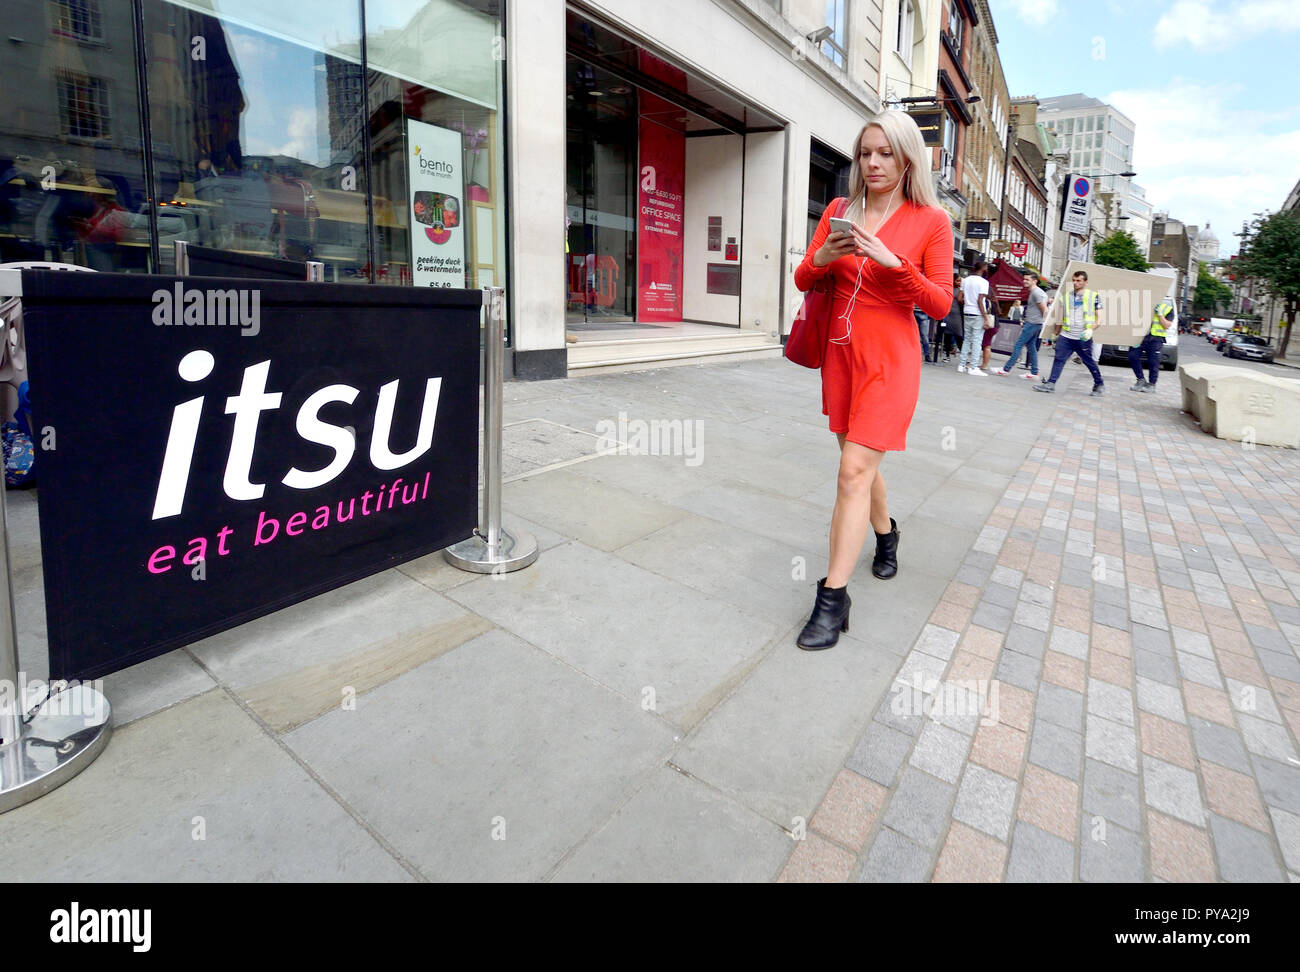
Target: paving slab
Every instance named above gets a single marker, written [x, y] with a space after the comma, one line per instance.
[678, 830]
[779, 739]
[496, 759]
[589, 608]
[196, 792]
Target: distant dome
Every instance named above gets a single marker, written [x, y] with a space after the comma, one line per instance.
[1207, 235]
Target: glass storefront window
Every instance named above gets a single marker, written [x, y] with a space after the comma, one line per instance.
[601, 213]
[435, 89]
[257, 137]
[259, 121]
[72, 181]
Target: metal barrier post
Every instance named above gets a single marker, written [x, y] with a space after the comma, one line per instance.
[493, 550]
[61, 737]
[315, 271]
[182, 268]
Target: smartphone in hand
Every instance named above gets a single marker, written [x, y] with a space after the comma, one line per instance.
[839, 225]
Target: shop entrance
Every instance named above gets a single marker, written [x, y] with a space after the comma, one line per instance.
[656, 174]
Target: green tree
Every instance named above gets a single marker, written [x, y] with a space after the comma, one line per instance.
[1121, 250]
[1271, 254]
[1210, 292]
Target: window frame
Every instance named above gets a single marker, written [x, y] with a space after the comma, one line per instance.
[100, 111]
[90, 9]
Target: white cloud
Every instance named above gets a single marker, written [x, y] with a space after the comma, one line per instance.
[1204, 157]
[1201, 24]
[1036, 12]
[301, 132]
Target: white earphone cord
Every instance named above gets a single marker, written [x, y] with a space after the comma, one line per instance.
[848, 310]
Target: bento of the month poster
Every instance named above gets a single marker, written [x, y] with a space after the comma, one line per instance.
[437, 214]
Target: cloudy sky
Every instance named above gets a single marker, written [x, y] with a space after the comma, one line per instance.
[1213, 86]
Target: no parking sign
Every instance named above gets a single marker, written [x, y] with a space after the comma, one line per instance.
[1078, 202]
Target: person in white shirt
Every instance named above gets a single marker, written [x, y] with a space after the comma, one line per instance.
[978, 317]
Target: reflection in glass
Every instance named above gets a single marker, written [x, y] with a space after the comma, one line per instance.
[72, 186]
[437, 63]
[257, 140]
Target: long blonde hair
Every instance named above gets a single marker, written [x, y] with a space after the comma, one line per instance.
[905, 139]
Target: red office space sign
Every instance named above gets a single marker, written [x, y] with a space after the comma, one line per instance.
[660, 202]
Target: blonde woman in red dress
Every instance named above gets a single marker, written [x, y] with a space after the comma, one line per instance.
[898, 256]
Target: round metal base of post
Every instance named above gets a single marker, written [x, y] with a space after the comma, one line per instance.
[515, 551]
[64, 737]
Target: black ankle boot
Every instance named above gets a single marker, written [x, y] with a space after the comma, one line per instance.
[885, 564]
[830, 616]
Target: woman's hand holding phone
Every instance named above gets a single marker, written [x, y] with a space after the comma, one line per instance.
[837, 245]
[873, 248]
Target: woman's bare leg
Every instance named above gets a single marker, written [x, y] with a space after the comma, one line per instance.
[879, 497]
[852, 517]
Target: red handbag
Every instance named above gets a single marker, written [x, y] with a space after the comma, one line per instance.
[811, 330]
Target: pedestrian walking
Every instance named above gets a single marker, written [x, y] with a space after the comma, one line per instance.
[977, 318]
[1074, 333]
[1162, 317]
[898, 256]
[986, 343]
[923, 329]
[948, 330]
[1034, 315]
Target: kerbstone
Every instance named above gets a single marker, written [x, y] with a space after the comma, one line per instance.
[1057, 749]
[1111, 742]
[919, 808]
[1111, 793]
[1069, 642]
[1244, 855]
[1154, 666]
[1218, 744]
[1019, 670]
[986, 801]
[1162, 700]
[895, 859]
[1278, 664]
[1279, 782]
[1060, 706]
[1265, 738]
[992, 616]
[1203, 671]
[1110, 614]
[1025, 641]
[1110, 702]
[1172, 790]
[880, 753]
[1287, 828]
[1114, 860]
[1254, 700]
[1039, 857]
[940, 751]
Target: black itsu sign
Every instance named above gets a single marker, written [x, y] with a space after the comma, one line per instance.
[204, 472]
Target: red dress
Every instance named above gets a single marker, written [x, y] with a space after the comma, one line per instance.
[870, 385]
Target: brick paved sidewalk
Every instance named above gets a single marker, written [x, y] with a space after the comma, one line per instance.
[1128, 618]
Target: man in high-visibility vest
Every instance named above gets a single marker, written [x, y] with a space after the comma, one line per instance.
[1074, 333]
[1162, 318]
